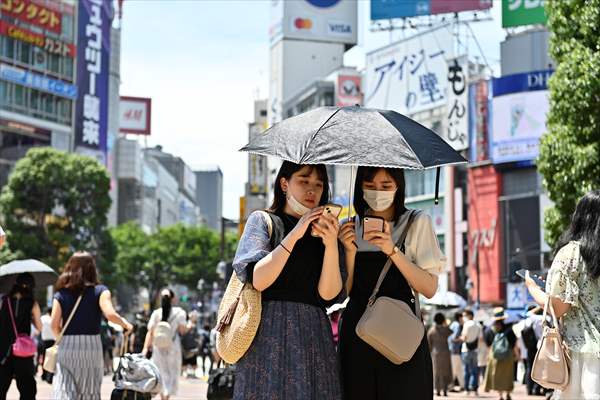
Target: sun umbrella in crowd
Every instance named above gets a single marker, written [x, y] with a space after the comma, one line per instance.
[42, 273]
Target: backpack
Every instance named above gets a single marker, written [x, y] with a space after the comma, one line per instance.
[501, 347]
[529, 338]
[163, 336]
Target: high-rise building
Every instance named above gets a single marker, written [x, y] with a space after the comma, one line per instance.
[209, 195]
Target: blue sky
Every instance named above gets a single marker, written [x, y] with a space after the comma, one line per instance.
[203, 63]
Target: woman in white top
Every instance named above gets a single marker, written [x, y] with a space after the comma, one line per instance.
[167, 357]
[416, 264]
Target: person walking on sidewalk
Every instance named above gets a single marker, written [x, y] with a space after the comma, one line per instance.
[293, 355]
[18, 307]
[47, 340]
[167, 325]
[416, 263]
[440, 354]
[470, 341]
[455, 345]
[500, 371]
[79, 367]
[574, 288]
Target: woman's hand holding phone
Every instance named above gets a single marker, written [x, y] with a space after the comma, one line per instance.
[347, 236]
[327, 229]
[305, 221]
[383, 240]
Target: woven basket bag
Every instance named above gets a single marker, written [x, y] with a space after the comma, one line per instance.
[239, 315]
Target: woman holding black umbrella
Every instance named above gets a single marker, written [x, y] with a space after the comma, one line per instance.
[416, 263]
[19, 309]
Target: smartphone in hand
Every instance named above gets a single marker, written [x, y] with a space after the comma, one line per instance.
[538, 279]
[372, 224]
[332, 209]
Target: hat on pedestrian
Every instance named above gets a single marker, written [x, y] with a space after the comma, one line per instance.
[498, 314]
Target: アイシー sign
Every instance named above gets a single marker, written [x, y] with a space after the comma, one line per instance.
[523, 12]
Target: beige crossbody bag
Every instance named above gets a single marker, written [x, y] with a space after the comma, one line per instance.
[389, 325]
[51, 354]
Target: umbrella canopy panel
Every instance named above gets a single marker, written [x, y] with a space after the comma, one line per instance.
[42, 273]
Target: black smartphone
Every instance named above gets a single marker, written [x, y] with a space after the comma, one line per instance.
[538, 279]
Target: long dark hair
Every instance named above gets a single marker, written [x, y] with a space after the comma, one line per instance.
[79, 272]
[286, 171]
[585, 228]
[367, 174]
[165, 304]
[24, 285]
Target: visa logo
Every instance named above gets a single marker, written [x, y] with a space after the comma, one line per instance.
[339, 28]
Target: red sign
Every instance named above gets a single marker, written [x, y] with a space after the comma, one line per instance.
[482, 116]
[25, 128]
[349, 91]
[32, 13]
[135, 115]
[484, 188]
[50, 45]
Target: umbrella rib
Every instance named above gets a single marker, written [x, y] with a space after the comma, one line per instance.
[314, 135]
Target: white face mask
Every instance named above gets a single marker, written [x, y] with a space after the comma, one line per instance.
[296, 206]
[379, 200]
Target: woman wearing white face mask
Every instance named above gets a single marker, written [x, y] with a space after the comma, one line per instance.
[293, 355]
[367, 374]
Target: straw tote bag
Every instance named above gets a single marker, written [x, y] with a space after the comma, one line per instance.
[551, 364]
[239, 314]
[51, 354]
[389, 325]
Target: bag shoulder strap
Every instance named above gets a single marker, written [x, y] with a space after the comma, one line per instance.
[268, 220]
[12, 317]
[62, 332]
[275, 226]
[388, 264]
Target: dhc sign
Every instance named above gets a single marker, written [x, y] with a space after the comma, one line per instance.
[525, 82]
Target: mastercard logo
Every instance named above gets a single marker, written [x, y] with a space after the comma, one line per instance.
[303, 23]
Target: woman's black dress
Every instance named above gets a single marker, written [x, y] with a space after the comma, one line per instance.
[366, 374]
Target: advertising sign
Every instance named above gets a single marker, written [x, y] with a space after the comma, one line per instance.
[457, 116]
[320, 20]
[519, 107]
[410, 75]
[479, 120]
[37, 39]
[25, 128]
[349, 90]
[36, 81]
[388, 9]
[32, 13]
[522, 12]
[258, 171]
[135, 115]
[93, 51]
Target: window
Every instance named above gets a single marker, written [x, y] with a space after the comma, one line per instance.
[419, 183]
[25, 53]
[36, 103]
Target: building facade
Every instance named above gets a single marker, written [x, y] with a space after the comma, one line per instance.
[209, 195]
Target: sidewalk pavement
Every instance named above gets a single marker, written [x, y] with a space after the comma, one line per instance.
[520, 393]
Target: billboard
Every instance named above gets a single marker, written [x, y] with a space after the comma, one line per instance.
[52, 46]
[348, 90]
[319, 20]
[479, 120]
[519, 110]
[522, 12]
[93, 52]
[33, 13]
[135, 115]
[388, 9]
[456, 130]
[37, 81]
[411, 75]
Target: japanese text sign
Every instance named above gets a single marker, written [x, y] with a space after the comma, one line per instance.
[38, 82]
[32, 13]
[411, 75]
[479, 120]
[457, 117]
[522, 12]
[135, 115]
[25, 35]
[93, 49]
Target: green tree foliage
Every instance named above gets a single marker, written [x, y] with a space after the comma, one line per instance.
[54, 204]
[570, 152]
[175, 254]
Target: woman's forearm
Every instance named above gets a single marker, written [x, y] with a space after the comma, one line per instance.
[419, 279]
[541, 297]
[268, 269]
[350, 262]
[330, 281]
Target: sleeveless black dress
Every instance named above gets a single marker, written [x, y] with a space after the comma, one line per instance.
[366, 374]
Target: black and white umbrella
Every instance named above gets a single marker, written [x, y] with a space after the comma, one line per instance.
[355, 136]
[42, 273]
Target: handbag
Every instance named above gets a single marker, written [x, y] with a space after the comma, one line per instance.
[24, 346]
[389, 325]
[551, 364]
[239, 314]
[136, 377]
[51, 354]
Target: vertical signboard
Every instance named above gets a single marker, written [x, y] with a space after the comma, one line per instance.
[479, 121]
[457, 116]
[93, 52]
[411, 75]
[522, 12]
